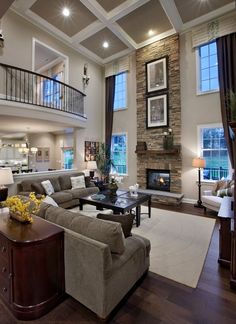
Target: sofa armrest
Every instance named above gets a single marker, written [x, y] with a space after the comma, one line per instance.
[207, 193]
[87, 264]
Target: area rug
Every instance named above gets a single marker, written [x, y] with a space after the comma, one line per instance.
[179, 243]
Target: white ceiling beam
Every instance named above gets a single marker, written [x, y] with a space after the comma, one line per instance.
[124, 9]
[172, 13]
[23, 5]
[88, 31]
[157, 38]
[101, 14]
[117, 55]
[209, 16]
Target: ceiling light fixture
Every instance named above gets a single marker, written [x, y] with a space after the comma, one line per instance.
[66, 12]
[105, 44]
[151, 32]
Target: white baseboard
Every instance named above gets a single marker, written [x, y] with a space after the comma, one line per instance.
[189, 201]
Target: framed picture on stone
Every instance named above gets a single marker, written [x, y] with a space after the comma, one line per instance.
[157, 111]
[156, 75]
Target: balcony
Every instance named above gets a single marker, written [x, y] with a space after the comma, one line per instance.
[45, 94]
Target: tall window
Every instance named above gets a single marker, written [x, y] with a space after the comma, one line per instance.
[120, 101]
[119, 153]
[67, 158]
[208, 68]
[214, 151]
[51, 91]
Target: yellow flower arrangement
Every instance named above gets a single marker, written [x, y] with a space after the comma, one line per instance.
[22, 208]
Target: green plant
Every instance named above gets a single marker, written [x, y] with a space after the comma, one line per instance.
[104, 161]
[231, 103]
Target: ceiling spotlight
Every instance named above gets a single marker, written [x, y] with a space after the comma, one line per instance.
[151, 32]
[66, 12]
[105, 44]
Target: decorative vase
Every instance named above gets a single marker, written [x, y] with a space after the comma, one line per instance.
[112, 188]
[20, 218]
[168, 142]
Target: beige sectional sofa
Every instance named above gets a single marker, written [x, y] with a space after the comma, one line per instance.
[64, 196]
[101, 266]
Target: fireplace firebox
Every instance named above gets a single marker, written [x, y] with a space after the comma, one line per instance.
[158, 179]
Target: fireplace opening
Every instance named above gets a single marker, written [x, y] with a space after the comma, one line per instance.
[158, 179]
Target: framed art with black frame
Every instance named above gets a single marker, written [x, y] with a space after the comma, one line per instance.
[156, 75]
[157, 111]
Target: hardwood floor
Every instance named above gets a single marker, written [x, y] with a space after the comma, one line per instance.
[159, 300]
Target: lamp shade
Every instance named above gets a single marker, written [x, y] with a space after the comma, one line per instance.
[199, 163]
[92, 165]
[6, 177]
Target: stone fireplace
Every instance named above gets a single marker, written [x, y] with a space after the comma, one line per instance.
[155, 157]
[158, 179]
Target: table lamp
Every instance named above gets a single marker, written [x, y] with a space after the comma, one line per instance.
[199, 163]
[91, 166]
[6, 178]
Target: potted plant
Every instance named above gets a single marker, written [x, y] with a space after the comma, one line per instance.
[104, 163]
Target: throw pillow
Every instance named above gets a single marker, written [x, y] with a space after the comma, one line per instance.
[48, 187]
[224, 192]
[48, 200]
[126, 221]
[77, 182]
[38, 188]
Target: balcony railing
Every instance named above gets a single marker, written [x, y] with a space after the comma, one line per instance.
[215, 173]
[20, 85]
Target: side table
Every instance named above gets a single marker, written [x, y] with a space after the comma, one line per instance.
[31, 266]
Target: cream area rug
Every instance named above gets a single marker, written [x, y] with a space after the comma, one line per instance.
[179, 243]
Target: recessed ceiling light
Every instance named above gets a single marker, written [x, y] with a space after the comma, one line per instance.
[66, 12]
[151, 32]
[105, 44]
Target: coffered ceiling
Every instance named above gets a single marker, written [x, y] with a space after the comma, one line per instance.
[125, 25]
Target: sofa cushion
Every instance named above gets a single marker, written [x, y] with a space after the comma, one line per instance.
[47, 185]
[77, 182]
[107, 232]
[38, 188]
[61, 197]
[55, 183]
[212, 200]
[50, 201]
[77, 193]
[126, 221]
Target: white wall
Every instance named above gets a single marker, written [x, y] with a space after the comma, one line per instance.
[196, 110]
[17, 51]
[125, 121]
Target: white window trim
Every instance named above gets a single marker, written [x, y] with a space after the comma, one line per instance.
[124, 108]
[127, 149]
[210, 125]
[198, 83]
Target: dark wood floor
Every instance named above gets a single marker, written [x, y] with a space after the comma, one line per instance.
[159, 300]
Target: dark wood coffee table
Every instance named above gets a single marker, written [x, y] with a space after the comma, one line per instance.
[121, 203]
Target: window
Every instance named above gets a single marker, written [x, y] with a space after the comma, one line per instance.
[119, 153]
[51, 91]
[67, 157]
[214, 151]
[208, 68]
[120, 101]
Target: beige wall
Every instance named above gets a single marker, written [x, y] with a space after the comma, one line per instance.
[45, 140]
[125, 121]
[19, 34]
[196, 110]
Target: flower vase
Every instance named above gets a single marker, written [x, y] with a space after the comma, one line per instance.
[168, 142]
[112, 188]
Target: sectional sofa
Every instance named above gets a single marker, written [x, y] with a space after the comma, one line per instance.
[101, 265]
[64, 195]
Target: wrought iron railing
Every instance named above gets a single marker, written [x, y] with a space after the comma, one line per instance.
[215, 173]
[20, 85]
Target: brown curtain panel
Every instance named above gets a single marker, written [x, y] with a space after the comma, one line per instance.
[226, 50]
[110, 95]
